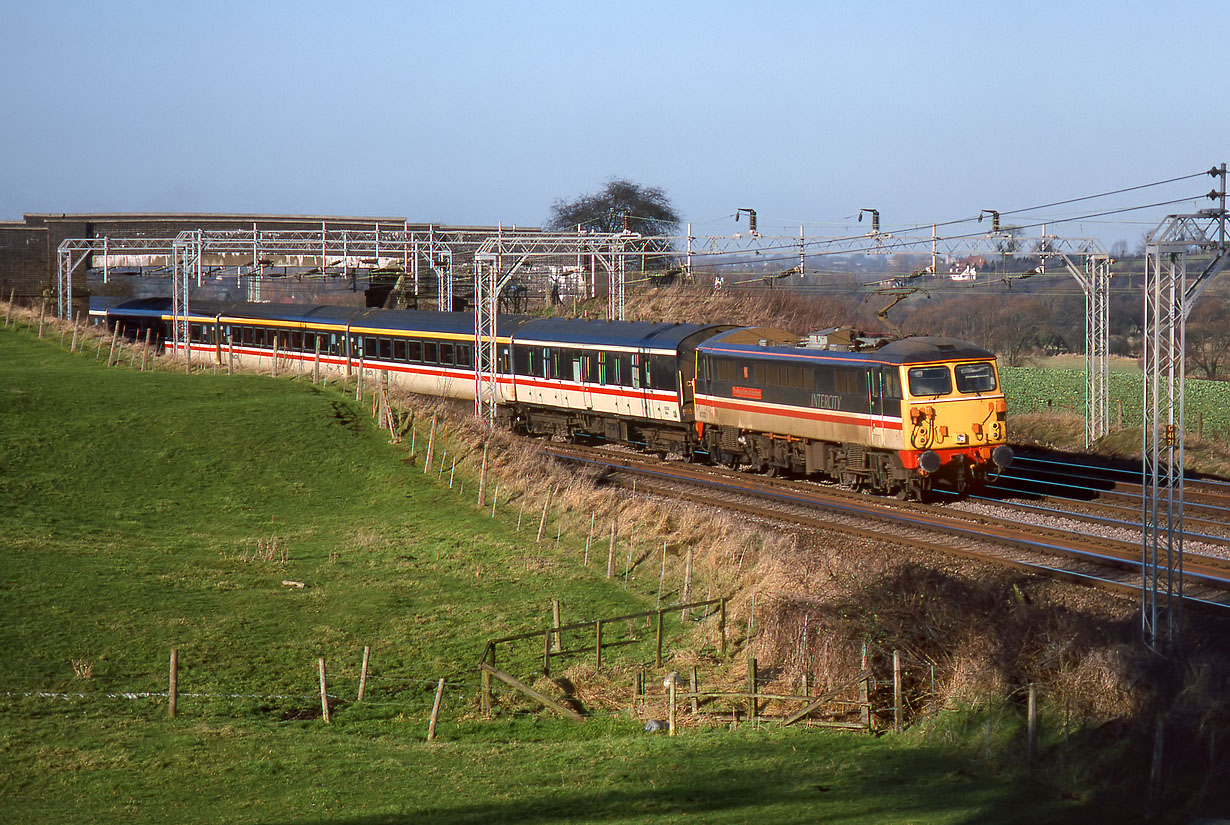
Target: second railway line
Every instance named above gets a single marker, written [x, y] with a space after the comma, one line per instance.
[1065, 548]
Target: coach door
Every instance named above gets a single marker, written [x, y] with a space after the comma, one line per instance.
[875, 397]
[582, 373]
[640, 382]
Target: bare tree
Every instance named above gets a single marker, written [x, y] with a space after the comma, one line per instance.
[1208, 336]
[620, 206]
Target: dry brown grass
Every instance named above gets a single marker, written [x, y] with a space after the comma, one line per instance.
[978, 632]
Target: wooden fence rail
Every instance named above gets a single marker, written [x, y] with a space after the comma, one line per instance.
[552, 645]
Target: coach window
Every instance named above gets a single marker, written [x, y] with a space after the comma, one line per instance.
[431, 352]
[463, 356]
[975, 377]
[521, 357]
[935, 380]
[638, 372]
[399, 350]
[662, 372]
[414, 351]
[370, 349]
[386, 348]
[563, 364]
[446, 354]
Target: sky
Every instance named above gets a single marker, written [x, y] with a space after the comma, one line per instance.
[486, 112]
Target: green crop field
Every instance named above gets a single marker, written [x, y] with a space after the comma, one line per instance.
[145, 511]
[1042, 389]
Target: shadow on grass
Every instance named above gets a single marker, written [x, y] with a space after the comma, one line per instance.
[911, 786]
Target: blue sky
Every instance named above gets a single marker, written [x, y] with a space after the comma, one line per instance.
[476, 112]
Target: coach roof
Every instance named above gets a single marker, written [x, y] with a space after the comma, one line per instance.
[633, 334]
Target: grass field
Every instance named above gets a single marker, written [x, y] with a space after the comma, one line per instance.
[133, 508]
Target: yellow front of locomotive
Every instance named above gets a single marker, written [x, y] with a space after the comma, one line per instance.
[954, 421]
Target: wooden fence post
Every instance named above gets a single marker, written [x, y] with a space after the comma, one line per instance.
[487, 698]
[363, 672]
[435, 711]
[687, 586]
[546, 654]
[316, 363]
[598, 645]
[482, 478]
[722, 624]
[1032, 749]
[610, 553]
[695, 701]
[670, 714]
[546, 505]
[557, 642]
[42, 315]
[173, 684]
[864, 693]
[73, 346]
[431, 444]
[324, 693]
[896, 691]
[658, 655]
[751, 689]
[590, 539]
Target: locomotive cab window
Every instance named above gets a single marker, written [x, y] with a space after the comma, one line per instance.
[975, 377]
[930, 380]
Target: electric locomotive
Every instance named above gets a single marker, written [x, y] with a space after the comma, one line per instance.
[890, 416]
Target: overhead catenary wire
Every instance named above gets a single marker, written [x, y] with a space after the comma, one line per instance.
[886, 242]
[879, 242]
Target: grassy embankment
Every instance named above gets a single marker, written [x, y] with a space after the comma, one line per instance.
[135, 509]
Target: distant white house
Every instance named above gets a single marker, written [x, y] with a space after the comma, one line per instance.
[966, 269]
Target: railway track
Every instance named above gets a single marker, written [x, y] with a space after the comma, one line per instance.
[1060, 551]
[1107, 487]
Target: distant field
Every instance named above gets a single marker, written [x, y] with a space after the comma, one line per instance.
[134, 509]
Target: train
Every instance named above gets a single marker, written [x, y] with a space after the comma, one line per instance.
[893, 416]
